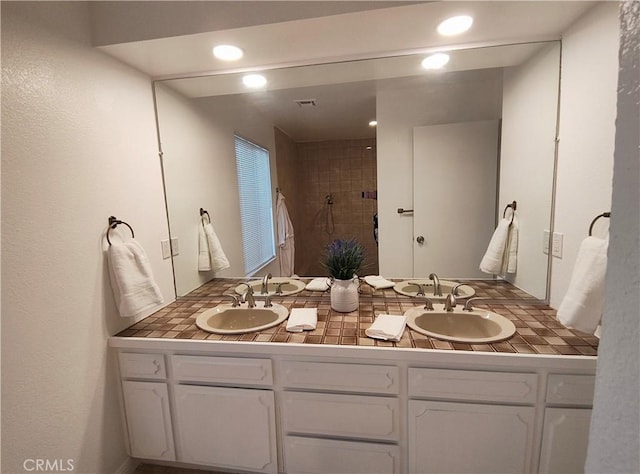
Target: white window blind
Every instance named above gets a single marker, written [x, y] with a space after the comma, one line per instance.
[256, 214]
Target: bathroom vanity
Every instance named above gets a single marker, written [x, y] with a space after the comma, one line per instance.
[259, 405]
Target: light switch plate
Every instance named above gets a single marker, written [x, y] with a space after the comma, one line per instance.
[545, 241]
[556, 244]
[166, 249]
[175, 250]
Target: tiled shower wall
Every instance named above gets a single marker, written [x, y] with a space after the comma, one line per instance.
[344, 169]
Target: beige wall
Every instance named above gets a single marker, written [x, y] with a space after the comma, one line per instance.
[343, 169]
[78, 145]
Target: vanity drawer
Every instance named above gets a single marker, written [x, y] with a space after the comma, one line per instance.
[142, 366]
[311, 455]
[347, 416]
[235, 370]
[473, 385]
[571, 389]
[341, 377]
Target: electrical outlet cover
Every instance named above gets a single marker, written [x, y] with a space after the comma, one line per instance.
[175, 250]
[166, 249]
[545, 241]
[556, 244]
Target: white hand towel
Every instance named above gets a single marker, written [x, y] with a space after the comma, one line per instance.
[218, 258]
[302, 319]
[511, 260]
[134, 288]
[378, 282]
[318, 284]
[493, 259]
[204, 259]
[388, 327]
[581, 307]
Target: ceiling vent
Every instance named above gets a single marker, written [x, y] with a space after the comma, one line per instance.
[306, 102]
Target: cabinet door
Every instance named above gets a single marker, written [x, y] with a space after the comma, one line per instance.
[466, 437]
[226, 427]
[146, 406]
[564, 440]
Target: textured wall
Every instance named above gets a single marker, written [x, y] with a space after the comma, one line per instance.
[343, 169]
[78, 144]
[615, 425]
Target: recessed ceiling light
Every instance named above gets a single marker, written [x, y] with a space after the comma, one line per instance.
[455, 25]
[227, 52]
[254, 81]
[435, 61]
[373, 123]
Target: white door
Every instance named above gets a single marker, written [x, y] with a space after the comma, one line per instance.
[146, 406]
[232, 428]
[469, 438]
[455, 168]
[564, 440]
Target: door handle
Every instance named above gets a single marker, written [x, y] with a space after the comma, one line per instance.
[420, 239]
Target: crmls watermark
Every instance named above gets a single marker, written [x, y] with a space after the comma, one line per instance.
[48, 465]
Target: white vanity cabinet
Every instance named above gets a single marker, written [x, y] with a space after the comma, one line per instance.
[485, 426]
[567, 417]
[146, 406]
[289, 408]
[340, 418]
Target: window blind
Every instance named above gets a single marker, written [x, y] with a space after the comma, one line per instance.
[256, 213]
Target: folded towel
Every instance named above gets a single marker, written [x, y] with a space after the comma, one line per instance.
[302, 319]
[318, 284]
[218, 258]
[494, 258]
[379, 282]
[134, 288]
[204, 259]
[387, 327]
[581, 307]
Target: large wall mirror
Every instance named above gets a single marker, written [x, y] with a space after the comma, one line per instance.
[455, 146]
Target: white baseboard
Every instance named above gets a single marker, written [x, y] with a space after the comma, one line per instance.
[128, 466]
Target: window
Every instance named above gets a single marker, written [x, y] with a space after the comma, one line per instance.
[256, 214]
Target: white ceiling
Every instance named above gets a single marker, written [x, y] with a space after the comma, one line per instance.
[327, 44]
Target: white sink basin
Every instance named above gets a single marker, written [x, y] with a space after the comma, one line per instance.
[288, 286]
[476, 327]
[225, 319]
[410, 288]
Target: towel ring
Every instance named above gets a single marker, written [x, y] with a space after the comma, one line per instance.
[604, 214]
[513, 207]
[203, 212]
[113, 223]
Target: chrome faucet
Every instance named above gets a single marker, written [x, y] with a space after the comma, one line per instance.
[449, 302]
[420, 291]
[436, 284]
[248, 296]
[264, 289]
[234, 298]
[468, 306]
[454, 290]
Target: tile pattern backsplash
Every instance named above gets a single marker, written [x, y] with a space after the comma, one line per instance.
[537, 330]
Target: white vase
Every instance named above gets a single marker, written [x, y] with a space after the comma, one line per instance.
[344, 295]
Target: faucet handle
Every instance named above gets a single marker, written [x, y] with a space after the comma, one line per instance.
[234, 298]
[428, 304]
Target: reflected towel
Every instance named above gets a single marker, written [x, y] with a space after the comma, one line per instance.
[218, 258]
[134, 288]
[388, 327]
[204, 259]
[378, 282]
[496, 257]
[581, 307]
[302, 319]
[318, 284]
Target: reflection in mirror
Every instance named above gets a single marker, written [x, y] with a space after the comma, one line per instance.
[341, 177]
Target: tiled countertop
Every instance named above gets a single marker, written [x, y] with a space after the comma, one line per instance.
[537, 330]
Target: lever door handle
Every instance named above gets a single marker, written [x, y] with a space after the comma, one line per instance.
[405, 211]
